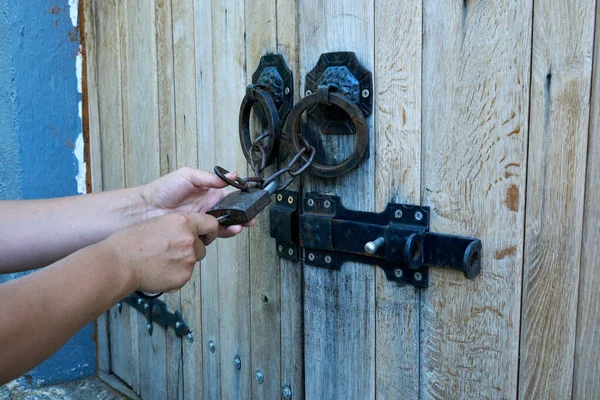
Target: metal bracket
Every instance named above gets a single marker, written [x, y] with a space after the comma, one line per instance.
[397, 239]
[156, 311]
[276, 78]
[350, 78]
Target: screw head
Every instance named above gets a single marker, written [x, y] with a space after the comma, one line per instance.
[119, 307]
[328, 259]
[260, 378]
[149, 327]
[211, 346]
[237, 362]
[146, 306]
[286, 90]
[177, 324]
[290, 199]
[418, 276]
[139, 301]
[279, 197]
[398, 214]
[311, 256]
[310, 202]
[190, 337]
[286, 392]
[280, 248]
[308, 92]
[327, 204]
[291, 252]
[398, 273]
[365, 93]
[418, 215]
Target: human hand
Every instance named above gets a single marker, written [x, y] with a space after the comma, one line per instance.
[187, 190]
[159, 254]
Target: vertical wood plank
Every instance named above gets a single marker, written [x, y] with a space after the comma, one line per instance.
[397, 75]
[234, 276]
[187, 156]
[142, 160]
[476, 59]
[339, 306]
[586, 383]
[560, 95]
[209, 272]
[291, 292]
[261, 34]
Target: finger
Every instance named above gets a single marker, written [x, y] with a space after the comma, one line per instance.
[199, 250]
[250, 223]
[207, 179]
[229, 231]
[208, 239]
[204, 224]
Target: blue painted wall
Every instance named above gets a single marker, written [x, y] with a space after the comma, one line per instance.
[39, 126]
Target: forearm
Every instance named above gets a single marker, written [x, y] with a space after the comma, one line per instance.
[42, 311]
[36, 233]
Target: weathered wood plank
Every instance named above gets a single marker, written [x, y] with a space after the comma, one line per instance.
[209, 272]
[398, 48]
[339, 306]
[261, 33]
[560, 95]
[142, 160]
[229, 76]
[291, 284]
[586, 375]
[476, 65]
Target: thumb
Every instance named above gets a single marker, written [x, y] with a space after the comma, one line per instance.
[205, 179]
[204, 225]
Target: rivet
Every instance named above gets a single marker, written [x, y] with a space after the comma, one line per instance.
[418, 215]
[418, 276]
[308, 92]
[328, 259]
[190, 337]
[237, 362]
[311, 256]
[398, 273]
[177, 324]
[291, 252]
[286, 90]
[259, 376]
[327, 204]
[279, 197]
[290, 199]
[286, 392]
[365, 93]
[211, 346]
[280, 248]
[119, 307]
[310, 202]
[398, 214]
[139, 301]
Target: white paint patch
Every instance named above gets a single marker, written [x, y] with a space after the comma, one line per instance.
[78, 69]
[81, 171]
[73, 10]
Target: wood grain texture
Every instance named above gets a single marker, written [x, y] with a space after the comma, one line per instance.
[261, 34]
[291, 277]
[560, 95]
[209, 272]
[586, 374]
[229, 77]
[339, 306]
[397, 130]
[476, 59]
[142, 161]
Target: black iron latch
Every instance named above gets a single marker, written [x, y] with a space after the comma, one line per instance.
[397, 239]
[156, 311]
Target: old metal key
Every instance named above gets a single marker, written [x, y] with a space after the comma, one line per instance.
[241, 206]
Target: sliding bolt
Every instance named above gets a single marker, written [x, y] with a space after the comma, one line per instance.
[190, 337]
[237, 362]
[372, 247]
[119, 307]
[260, 378]
[286, 392]
[211, 346]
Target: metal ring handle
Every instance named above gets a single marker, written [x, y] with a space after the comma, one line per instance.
[361, 145]
[147, 295]
[255, 94]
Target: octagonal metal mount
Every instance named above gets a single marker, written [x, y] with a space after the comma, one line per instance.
[350, 78]
[276, 78]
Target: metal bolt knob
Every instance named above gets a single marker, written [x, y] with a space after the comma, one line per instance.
[372, 247]
[260, 378]
[286, 392]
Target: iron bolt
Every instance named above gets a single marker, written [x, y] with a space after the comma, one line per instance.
[365, 93]
[291, 252]
[418, 215]
[279, 197]
[398, 214]
[418, 276]
[372, 247]
[119, 307]
[286, 392]
[311, 202]
[211, 346]
[259, 376]
[398, 273]
[327, 204]
[328, 259]
[280, 248]
[308, 92]
[190, 337]
[237, 362]
[286, 90]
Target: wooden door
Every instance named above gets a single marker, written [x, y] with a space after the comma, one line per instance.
[486, 111]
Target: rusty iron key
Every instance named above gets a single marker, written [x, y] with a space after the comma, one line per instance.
[241, 206]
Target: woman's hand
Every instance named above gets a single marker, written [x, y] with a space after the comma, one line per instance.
[187, 190]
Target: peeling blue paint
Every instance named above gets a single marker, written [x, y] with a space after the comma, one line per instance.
[39, 125]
